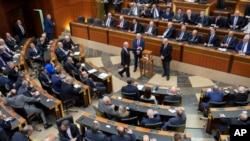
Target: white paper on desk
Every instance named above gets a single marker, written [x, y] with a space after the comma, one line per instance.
[103, 75]
[222, 49]
[140, 87]
[76, 86]
[92, 71]
[76, 53]
[172, 110]
[82, 64]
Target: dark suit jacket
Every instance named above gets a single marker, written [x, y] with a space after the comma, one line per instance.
[178, 18]
[70, 67]
[145, 14]
[226, 122]
[178, 120]
[89, 82]
[238, 47]
[237, 97]
[170, 33]
[13, 75]
[125, 57]
[111, 23]
[166, 53]
[152, 13]
[125, 25]
[126, 137]
[139, 28]
[5, 80]
[74, 132]
[98, 136]
[194, 40]
[68, 45]
[132, 10]
[185, 36]
[156, 119]
[56, 82]
[67, 91]
[189, 21]
[32, 53]
[218, 22]
[135, 46]
[61, 56]
[169, 17]
[3, 135]
[172, 98]
[214, 41]
[48, 26]
[43, 78]
[232, 42]
[204, 22]
[18, 83]
[6, 56]
[18, 136]
[130, 89]
[19, 33]
[154, 30]
[11, 44]
[240, 21]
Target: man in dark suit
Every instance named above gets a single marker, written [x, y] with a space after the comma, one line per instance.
[68, 43]
[173, 96]
[136, 27]
[61, 53]
[189, 17]
[169, 32]
[56, 80]
[69, 66]
[152, 117]
[123, 24]
[202, 20]
[94, 134]
[42, 45]
[6, 56]
[11, 42]
[123, 135]
[19, 30]
[12, 71]
[5, 127]
[105, 106]
[212, 39]
[109, 21]
[138, 47]
[229, 41]
[69, 132]
[179, 119]
[4, 80]
[155, 12]
[135, 10]
[145, 12]
[217, 21]
[151, 29]
[167, 15]
[236, 21]
[194, 38]
[239, 95]
[183, 34]
[68, 91]
[125, 60]
[178, 16]
[106, 6]
[117, 5]
[24, 135]
[48, 27]
[21, 77]
[214, 96]
[243, 46]
[130, 88]
[35, 54]
[44, 79]
[166, 57]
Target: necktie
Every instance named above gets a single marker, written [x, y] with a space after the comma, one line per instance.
[121, 24]
[149, 29]
[35, 50]
[108, 22]
[6, 47]
[22, 29]
[210, 39]
[156, 14]
[235, 21]
[135, 27]
[244, 47]
[193, 38]
[165, 33]
[135, 11]
[7, 53]
[228, 40]
[63, 50]
[138, 42]
[181, 36]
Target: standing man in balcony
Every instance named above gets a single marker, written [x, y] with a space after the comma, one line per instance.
[117, 5]
[49, 27]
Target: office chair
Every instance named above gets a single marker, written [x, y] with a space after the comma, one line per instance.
[147, 100]
[60, 120]
[157, 125]
[129, 95]
[29, 117]
[125, 11]
[131, 120]
[171, 103]
[212, 105]
[81, 19]
[97, 22]
[90, 20]
[176, 128]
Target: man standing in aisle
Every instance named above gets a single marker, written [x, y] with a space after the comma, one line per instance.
[138, 47]
[166, 57]
[49, 27]
[125, 59]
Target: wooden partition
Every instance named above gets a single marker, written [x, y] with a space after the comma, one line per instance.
[241, 65]
[79, 30]
[117, 37]
[98, 34]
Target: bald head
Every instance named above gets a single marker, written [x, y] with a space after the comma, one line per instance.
[151, 23]
[173, 90]
[138, 36]
[237, 13]
[106, 100]
[230, 33]
[2, 41]
[246, 38]
[69, 80]
[60, 44]
[125, 44]
[170, 24]
[150, 113]
[165, 41]
[194, 32]
[243, 116]
[145, 138]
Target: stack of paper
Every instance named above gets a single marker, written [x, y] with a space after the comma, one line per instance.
[76, 53]
[172, 110]
[140, 87]
[92, 71]
[103, 75]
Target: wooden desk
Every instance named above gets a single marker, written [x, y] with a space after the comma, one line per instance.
[207, 57]
[232, 112]
[86, 120]
[108, 81]
[241, 65]
[98, 34]
[194, 6]
[117, 37]
[16, 124]
[79, 30]
[224, 138]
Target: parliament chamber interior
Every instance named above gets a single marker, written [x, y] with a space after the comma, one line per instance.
[124, 70]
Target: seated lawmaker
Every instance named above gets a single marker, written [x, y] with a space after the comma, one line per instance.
[217, 22]
[236, 21]
[105, 106]
[243, 45]
[35, 54]
[44, 79]
[94, 133]
[173, 96]
[145, 12]
[183, 34]
[179, 119]
[11, 41]
[189, 17]
[151, 29]
[123, 135]
[169, 32]
[194, 38]
[4, 80]
[5, 126]
[5, 55]
[23, 135]
[212, 39]
[130, 88]
[68, 91]
[8, 49]
[56, 80]
[148, 95]
[136, 27]
[167, 15]
[109, 21]
[27, 89]
[155, 12]
[229, 41]
[123, 24]
[246, 29]
[239, 95]
[69, 132]
[202, 20]
[68, 43]
[135, 10]
[21, 101]
[12, 71]
[69, 66]
[61, 53]
[152, 117]
[178, 16]
[214, 96]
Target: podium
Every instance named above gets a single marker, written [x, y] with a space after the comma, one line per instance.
[146, 64]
